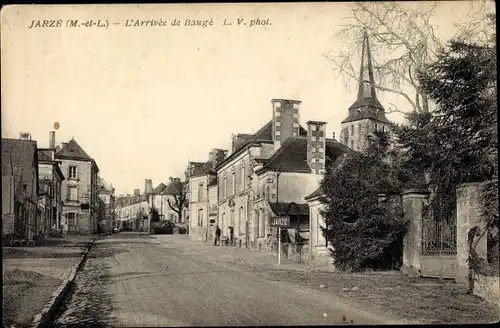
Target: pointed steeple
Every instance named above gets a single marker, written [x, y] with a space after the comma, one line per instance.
[367, 104]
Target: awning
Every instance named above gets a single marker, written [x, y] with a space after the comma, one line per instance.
[289, 208]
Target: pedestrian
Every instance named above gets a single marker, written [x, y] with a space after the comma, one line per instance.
[217, 234]
[231, 234]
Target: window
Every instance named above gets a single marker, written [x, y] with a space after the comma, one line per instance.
[200, 217]
[352, 130]
[242, 178]
[73, 193]
[225, 187]
[172, 217]
[257, 222]
[352, 144]
[233, 181]
[376, 127]
[232, 219]
[222, 221]
[359, 127]
[383, 128]
[200, 192]
[73, 172]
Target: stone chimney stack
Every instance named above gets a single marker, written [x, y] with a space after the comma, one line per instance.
[285, 120]
[316, 143]
[52, 139]
[217, 156]
[148, 186]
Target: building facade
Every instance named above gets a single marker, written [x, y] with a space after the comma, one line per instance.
[79, 189]
[106, 195]
[50, 180]
[23, 157]
[201, 179]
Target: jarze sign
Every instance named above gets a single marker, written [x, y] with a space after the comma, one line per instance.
[280, 221]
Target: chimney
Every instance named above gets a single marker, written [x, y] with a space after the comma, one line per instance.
[285, 120]
[316, 140]
[137, 192]
[25, 136]
[52, 139]
[217, 156]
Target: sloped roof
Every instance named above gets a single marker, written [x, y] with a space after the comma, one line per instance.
[292, 155]
[44, 155]
[72, 150]
[23, 155]
[104, 185]
[367, 104]
[316, 193]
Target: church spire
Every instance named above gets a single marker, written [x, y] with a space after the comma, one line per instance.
[367, 104]
[366, 87]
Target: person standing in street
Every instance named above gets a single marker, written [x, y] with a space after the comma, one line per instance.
[231, 235]
[217, 235]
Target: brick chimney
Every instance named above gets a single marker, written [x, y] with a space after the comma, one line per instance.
[316, 136]
[217, 156]
[285, 120]
[52, 139]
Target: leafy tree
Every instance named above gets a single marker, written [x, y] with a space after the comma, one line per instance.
[180, 197]
[362, 230]
[457, 142]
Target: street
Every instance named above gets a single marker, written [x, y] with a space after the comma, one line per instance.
[132, 279]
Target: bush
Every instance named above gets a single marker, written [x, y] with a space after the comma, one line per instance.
[23, 243]
[16, 243]
[30, 243]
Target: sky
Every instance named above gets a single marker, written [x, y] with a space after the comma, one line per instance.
[143, 101]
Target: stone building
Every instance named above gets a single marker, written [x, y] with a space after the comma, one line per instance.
[79, 189]
[202, 195]
[22, 186]
[50, 179]
[270, 173]
[106, 194]
[366, 114]
[160, 197]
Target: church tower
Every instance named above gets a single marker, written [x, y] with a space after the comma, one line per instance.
[366, 115]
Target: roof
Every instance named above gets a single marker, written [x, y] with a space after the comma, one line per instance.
[316, 193]
[200, 168]
[166, 189]
[367, 104]
[72, 150]
[289, 208]
[292, 155]
[264, 134]
[44, 155]
[104, 185]
[23, 155]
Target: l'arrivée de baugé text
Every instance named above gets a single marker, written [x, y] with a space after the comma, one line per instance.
[187, 22]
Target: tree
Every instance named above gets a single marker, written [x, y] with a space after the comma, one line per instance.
[402, 41]
[457, 142]
[363, 230]
[180, 197]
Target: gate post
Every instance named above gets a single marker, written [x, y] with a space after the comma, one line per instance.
[468, 216]
[414, 202]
